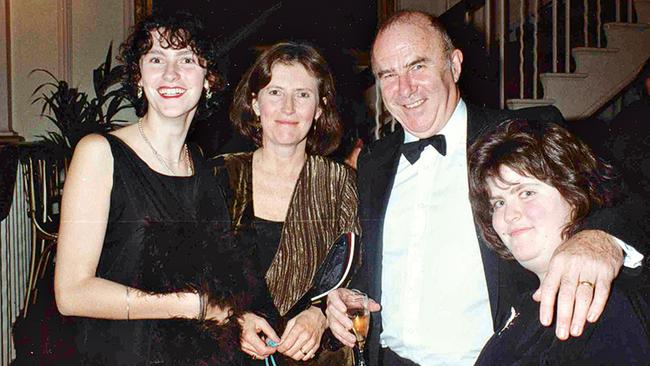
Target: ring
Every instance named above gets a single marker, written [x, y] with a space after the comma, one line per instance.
[254, 357]
[586, 283]
[303, 352]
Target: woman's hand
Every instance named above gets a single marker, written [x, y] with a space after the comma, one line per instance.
[251, 342]
[302, 336]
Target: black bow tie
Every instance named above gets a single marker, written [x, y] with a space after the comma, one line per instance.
[412, 150]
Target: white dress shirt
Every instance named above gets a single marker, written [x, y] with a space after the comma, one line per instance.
[435, 305]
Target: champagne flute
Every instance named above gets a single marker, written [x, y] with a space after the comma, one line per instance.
[356, 303]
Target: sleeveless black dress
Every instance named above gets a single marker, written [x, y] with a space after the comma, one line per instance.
[140, 196]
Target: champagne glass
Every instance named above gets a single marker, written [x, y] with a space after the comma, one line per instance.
[356, 303]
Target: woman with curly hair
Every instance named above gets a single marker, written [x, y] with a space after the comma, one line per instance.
[532, 185]
[129, 257]
[293, 200]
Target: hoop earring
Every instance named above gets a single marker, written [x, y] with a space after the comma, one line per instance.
[139, 92]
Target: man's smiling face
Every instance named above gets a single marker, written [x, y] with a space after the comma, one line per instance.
[417, 79]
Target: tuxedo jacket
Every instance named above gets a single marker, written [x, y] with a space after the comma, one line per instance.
[506, 280]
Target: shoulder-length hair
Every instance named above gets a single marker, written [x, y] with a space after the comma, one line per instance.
[177, 31]
[546, 152]
[325, 137]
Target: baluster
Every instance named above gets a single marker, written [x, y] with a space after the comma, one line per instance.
[502, 53]
[488, 25]
[521, 49]
[567, 36]
[554, 16]
[379, 109]
[618, 10]
[535, 41]
[585, 29]
[629, 11]
[599, 23]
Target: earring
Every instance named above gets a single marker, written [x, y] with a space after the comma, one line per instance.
[208, 93]
[257, 125]
[139, 92]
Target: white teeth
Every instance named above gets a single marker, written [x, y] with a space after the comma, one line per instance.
[171, 91]
[414, 104]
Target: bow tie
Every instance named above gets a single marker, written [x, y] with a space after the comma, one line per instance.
[412, 150]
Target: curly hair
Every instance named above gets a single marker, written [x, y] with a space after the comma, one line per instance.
[546, 152]
[325, 137]
[178, 31]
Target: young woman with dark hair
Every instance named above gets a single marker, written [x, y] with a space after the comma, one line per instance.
[531, 186]
[130, 254]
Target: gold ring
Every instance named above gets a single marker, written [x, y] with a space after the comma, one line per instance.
[586, 283]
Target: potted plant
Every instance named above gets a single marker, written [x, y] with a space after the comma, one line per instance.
[74, 113]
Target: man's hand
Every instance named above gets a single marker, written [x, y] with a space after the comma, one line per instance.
[301, 337]
[580, 275]
[337, 319]
[251, 342]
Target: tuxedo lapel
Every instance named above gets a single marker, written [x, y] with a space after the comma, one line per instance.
[376, 180]
[386, 160]
[478, 122]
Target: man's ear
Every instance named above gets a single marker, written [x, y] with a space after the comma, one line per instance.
[456, 64]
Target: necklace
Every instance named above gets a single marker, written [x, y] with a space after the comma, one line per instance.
[161, 159]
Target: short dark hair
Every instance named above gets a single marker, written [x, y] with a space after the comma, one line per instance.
[411, 16]
[177, 31]
[325, 137]
[547, 152]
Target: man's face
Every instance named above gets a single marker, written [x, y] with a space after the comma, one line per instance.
[417, 81]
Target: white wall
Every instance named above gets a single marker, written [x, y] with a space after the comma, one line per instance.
[35, 43]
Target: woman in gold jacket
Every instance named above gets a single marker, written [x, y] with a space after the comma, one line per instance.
[292, 200]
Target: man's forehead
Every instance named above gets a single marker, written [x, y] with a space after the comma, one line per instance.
[404, 46]
[403, 51]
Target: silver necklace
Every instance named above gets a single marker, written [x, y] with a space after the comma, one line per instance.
[186, 153]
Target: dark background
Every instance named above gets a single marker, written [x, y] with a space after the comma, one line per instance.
[341, 30]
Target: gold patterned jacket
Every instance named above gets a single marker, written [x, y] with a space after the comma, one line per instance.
[323, 206]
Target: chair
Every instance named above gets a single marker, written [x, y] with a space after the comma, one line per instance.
[43, 181]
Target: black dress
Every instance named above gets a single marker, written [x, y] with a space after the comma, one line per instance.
[620, 337]
[140, 196]
[266, 235]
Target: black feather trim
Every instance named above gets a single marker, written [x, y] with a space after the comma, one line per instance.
[199, 258]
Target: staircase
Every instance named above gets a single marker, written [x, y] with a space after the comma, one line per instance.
[600, 73]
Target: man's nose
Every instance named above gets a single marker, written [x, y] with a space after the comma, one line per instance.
[406, 87]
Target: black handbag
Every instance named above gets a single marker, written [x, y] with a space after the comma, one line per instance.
[332, 273]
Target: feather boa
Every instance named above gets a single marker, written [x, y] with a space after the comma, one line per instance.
[199, 258]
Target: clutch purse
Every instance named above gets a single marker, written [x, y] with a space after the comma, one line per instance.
[332, 272]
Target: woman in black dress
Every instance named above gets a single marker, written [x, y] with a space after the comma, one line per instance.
[532, 185]
[123, 184]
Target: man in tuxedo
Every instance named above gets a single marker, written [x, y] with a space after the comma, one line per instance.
[442, 292]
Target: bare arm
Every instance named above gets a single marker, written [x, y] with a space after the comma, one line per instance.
[84, 217]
